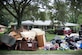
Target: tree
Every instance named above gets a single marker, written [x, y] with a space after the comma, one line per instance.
[80, 19]
[61, 8]
[75, 9]
[35, 9]
[3, 21]
[18, 6]
[32, 12]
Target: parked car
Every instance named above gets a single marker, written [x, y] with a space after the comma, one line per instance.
[59, 31]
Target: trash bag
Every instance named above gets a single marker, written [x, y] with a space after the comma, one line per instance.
[53, 41]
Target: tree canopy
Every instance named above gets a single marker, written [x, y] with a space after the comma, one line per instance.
[18, 6]
[62, 10]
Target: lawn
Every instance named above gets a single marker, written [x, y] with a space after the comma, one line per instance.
[41, 52]
[49, 36]
[52, 36]
[1, 33]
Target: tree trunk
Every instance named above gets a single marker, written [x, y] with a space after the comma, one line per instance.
[19, 23]
[63, 24]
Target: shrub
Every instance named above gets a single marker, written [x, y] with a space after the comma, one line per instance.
[51, 31]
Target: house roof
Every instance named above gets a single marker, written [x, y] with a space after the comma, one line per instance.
[70, 24]
[45, 23]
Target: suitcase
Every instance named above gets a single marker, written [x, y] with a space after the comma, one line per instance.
[25, 45]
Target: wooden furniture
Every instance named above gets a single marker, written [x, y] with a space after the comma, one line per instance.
[26, 45]
[40, 40]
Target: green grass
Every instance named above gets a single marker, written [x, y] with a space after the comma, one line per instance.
[41, 52]
[1, 33]
[49, 36]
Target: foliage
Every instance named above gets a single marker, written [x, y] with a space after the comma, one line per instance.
[1, 33]
[75, 9]
[68, 11]
[18, 6]
[80, 19]
[3, 21]
[51, 31]
[61, 11]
